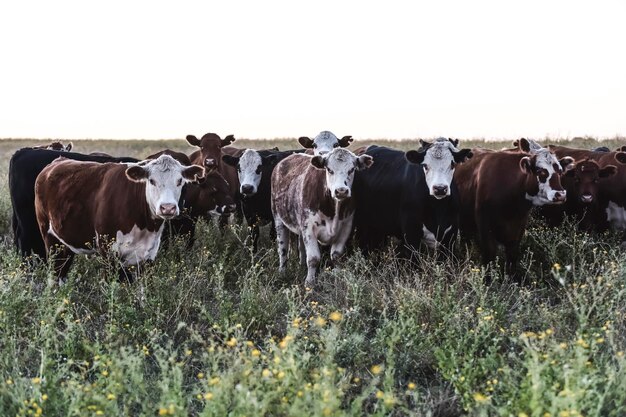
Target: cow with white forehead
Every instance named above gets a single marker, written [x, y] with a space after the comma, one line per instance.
[312, 198]
[497, 191]
[324, 142]
[82, 206]
[410, 196]
[254, 169]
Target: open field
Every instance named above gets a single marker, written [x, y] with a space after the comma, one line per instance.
[222, 333]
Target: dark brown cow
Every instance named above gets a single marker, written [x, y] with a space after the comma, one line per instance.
[210, 153]
[312, 198]
[55, 146]
[497, 191]
[82, 206]
[582, 183]
[611, 211]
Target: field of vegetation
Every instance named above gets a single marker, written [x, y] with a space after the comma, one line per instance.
[218, 332]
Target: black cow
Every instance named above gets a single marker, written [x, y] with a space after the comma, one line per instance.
[24, 167]
[409, 195]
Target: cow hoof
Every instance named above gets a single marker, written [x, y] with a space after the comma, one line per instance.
[309, 283]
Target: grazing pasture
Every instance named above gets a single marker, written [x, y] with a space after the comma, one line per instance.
[215, 330]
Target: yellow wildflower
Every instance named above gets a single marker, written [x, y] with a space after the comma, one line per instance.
[376, 369]
[380, 394]
[335, 316]
[480, 398]
[208, 396]
[411, 385]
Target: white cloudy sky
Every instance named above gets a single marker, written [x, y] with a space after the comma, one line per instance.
[392, 69]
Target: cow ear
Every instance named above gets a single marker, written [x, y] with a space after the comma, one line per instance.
[230, 160]
[227, 141]
[193, 140]
[415, 157]
[425, 144]
[305, 142]
[344, 142]
[525, 165]
[523, 145]
[569, 171]
[620, 157]
[318, 162]
[621, 149]
[193, 173]
[566, 161]
[454, 142]
[364, 162]
[462, 155]
[68, 147]
[608, 171]
[137, 173]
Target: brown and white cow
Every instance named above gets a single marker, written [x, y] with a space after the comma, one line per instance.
[83, 206]
[324, 142]
[55, 146]
[497, 191]
[312, 198]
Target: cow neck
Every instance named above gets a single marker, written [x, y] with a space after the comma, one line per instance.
[144, 218]
[333, 208]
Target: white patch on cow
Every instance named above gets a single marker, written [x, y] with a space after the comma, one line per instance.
[616, 215]
[324, 143]
[429, 238]
[138, 245]
[438, 167]
[546, 195]
[79, 251]
[249, 170]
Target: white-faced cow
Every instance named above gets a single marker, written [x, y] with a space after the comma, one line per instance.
[410, 196]
[324, 142]
[497, 191]
[55, 146]
[312, 198]
[83, 206]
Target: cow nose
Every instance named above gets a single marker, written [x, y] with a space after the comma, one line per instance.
[342, 192]
[586, 198]
[168, 210]
[247, 189]
[559, 197]
[210, 163]
[440, 190]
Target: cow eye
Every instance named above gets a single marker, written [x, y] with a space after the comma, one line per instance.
[315, 145]
[335, 145]
[179, 182]
[351, 171]
[152, 182]
[258, 170]
[452, 164]
[331, 172]
[425, 167]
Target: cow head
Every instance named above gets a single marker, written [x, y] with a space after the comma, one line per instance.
[340, 165]
[581, 180]
[438, 159]
[324, 142]
[217, 192]
[56, 146]
[544, 176]
[250, 169]
[211, 148]
[164, 178]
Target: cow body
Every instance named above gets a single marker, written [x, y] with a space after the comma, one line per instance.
[311, 198]
[394, 198]
[83, 206]
[254, 170]
[24, 167]
[497, 191]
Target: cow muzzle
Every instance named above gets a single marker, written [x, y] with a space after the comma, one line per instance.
[210, 163]
[342, 193]
[586, 198]
[167, 211]
[247, 189]
[226, 209]
[559, 197]
[440, 191]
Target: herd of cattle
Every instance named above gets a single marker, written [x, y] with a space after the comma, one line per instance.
[320, 194]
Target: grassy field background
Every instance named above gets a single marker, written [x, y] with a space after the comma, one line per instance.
[221, 333]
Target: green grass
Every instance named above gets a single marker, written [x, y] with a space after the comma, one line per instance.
[216, 331]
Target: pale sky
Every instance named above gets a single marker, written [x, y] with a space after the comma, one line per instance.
[266, 68]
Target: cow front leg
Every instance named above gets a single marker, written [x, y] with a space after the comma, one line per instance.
[302, 251]
[282, 239]
[338, 247]
[62, 257]
[312, 257]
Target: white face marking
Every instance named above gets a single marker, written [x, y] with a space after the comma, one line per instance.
[616, 215]
[340, 167]
[164, 185]
[546, 195]
[438, 167]
[324, 143]
[137, 245]
[249, 172]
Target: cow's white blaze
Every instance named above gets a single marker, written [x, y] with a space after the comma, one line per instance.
[340, 165]
[249, 171]
[438, 167]
[164, 178]
[138, 245]
[546, 195]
